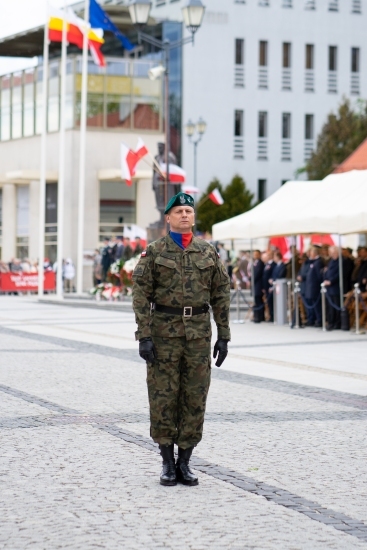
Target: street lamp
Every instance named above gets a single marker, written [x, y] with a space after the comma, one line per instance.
[200, 128]
[193, 13]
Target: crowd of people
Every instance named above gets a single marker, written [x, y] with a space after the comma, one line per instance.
[114, 249]
[320, 264]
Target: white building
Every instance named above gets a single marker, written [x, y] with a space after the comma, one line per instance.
[264, 74]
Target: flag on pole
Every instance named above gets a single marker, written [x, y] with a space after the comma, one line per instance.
[216, 197]
[99, 19]
[176, 173]
[74, 33]
[130, 159]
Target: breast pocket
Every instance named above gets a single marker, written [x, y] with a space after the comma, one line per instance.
[165, 270]
[205, 267]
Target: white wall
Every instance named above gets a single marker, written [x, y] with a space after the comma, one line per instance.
[208, 81]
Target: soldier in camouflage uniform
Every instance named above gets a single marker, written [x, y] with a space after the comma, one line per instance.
[175, 282]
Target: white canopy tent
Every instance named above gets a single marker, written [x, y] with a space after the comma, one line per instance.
[337, 204]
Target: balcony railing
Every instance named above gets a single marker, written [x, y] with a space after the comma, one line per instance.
[308, 148]
[332, 82]
[239, 148]
[263, 78]
[309, 80]
[355, 84]
[286, 152]
[239, 76]
[262, 149]
[286, 79]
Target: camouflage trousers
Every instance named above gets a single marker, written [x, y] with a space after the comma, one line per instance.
[178, 384]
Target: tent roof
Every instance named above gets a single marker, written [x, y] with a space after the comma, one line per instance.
[337, 204]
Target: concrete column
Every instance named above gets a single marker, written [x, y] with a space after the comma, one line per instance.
[34, 211]
[9, 221]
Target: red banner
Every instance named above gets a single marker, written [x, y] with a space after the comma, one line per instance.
[24, 282]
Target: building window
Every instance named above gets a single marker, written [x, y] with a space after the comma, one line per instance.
[333, 58]
[238, 123]
[239, 51]
[310, 4]
[310, 51]
[355, 60]
[283, 182]
[263, 53]
[117, 206]
[309, 126]
[333, 5]
[263, 124]
[356, 6]
[261, 190]
[287, 47]
[286, 125]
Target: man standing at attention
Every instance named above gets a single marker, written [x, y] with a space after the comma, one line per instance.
[175, 282]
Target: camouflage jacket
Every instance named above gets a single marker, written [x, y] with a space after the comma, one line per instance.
[169, 276]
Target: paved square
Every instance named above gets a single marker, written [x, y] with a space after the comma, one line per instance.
[282, 464]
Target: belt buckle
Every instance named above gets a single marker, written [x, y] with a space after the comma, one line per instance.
[187, 312]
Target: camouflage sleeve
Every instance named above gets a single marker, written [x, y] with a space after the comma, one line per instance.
[143, 281]
[220, 299]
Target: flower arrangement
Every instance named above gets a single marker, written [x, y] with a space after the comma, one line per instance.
[119, 281]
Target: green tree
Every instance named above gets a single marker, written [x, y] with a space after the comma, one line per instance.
[340, 136]
[237, 200]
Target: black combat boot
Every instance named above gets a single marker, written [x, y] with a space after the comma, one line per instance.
[183, 471]
[168, 475]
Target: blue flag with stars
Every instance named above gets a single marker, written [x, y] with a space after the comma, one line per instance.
[99, 19]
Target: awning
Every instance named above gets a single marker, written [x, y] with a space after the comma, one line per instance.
[337, 204]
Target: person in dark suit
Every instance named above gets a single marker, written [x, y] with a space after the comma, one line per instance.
[258, 269]
[279, 272]
[267, 276]
[301, 278]
[138, 248]
[128, 251]
[348, 267]
[314, 279]
[107, 258]
[331, 281]
[118, 249]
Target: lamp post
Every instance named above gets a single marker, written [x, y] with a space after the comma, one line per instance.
[193, 13]
[200, 128]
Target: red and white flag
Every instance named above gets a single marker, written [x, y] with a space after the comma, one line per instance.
[216, 197]
[176, 173]
[130, 159]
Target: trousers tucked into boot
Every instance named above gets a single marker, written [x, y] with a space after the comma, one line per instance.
[168, 475]
[183, 470]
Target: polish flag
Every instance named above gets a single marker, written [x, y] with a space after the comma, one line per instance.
[176, 174]
[216, 197]
[130, 159]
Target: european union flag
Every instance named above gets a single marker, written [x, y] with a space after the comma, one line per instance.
[99, 19]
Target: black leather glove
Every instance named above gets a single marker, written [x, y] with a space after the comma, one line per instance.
[147, 350]
[220, 349]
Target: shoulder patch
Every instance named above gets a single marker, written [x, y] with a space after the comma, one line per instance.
[144, 253]
[218, 255]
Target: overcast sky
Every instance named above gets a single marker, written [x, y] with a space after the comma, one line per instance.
[20, 15]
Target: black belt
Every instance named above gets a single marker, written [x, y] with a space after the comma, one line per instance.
[187, 311]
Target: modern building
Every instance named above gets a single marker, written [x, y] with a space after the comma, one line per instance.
[264, 75]
[123, 104]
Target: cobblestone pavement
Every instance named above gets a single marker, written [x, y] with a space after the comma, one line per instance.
[282, 464]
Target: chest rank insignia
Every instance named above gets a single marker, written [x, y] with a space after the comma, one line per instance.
[144, 253]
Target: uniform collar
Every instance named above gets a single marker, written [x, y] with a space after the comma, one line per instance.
[173, 247]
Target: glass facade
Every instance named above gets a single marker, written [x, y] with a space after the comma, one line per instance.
[120, 96]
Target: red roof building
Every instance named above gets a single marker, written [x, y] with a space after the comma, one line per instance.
[356, 161]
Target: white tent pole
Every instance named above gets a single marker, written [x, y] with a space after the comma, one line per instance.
[341, 274]
[83, 130]
[42, 189]
[61, 182]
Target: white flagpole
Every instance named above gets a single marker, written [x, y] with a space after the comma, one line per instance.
[83, 130]
[61, 182]
[42, 190]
